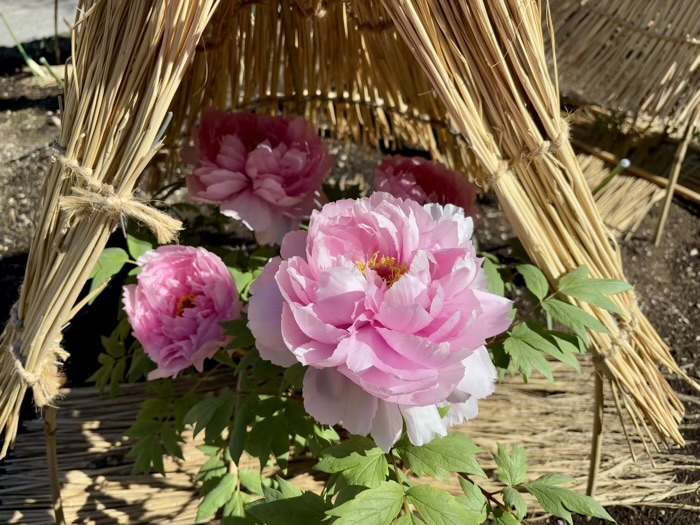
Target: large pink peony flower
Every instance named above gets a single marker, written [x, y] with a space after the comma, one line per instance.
[265, 171]
[182, 295]
[425, 181]
[386, 302]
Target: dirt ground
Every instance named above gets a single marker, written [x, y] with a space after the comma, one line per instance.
[667, 279]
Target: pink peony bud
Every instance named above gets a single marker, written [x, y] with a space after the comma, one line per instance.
[175, 310]
[425, 181]
[265, 171]
[386, 302]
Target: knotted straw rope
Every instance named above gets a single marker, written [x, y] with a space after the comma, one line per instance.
[45, 379]
[102, 198]
[546, 147]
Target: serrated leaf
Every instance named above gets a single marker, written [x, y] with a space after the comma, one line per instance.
[268, 436]
[287, 489]
[242, 336]
[168, 437]
[440, 457]
[524, 358]
[512, 468]
[438, 507]
[562, 502]
[217, 498]
[504, 518]
[514, 500]
[475, 501]
[538, 342]
[535, 280]
[554, 479]
[239, 429]
[369, 468]
[299, 510]
[212, 469]
[212, 414]
[137, 247]
[377, 506]
[589, 291]
[573, 317]
[234, 511]
[494, 281]
[157, 457]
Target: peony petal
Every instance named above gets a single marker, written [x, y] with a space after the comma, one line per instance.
[265, 317]
[423, 424]
[387, 425]
[330, 398]
[294, 245]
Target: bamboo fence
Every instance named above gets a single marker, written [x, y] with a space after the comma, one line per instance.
[637, 58]
[128, 59]
[552, 421]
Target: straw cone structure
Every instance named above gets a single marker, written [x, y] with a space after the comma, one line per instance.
[639, 58]
[486, 60]
[127, 62]
[551, 420]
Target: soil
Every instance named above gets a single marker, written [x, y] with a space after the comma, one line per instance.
[667, 279]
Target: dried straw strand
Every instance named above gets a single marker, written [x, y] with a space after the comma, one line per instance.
[127, 62]
[486, 60]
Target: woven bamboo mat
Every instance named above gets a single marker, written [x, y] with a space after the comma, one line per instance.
[551, 420]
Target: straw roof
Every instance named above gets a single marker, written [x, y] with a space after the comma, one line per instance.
[98, 487]
[638, 58]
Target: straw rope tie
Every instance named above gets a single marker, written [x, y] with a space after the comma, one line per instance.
[103, 198]
[618, 342]
[546, 147]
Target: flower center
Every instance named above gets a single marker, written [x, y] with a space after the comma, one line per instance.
[186, 301]
[384, 267]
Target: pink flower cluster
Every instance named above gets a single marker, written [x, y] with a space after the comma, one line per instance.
[386, 302]
[265, 171]
[425, 181]
[175, 310]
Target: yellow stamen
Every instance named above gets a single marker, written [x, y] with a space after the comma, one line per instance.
[187, 301]
[386, 268]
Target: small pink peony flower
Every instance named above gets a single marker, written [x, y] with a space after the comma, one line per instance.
[265, 171]
[182, 295]
[386, 302]
[425, 181]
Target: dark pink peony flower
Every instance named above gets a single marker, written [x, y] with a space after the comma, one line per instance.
[386, 302]
[425, 181]
[175, 310]
[265, 171]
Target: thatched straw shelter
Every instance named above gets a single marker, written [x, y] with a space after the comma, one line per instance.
[466, 81]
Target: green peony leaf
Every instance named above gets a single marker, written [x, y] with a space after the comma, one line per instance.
[440, 457]
[504, 518]
[494, 280]
[137, 247]
[573, 317]
[475, 501]
[524, 357]
[535, 280]
[276, 509]
[367, 468]
[108, 265]
[512, 469]
[378, 506]
[514, 500]
[217, 498]
[562, 502]
[437, 507]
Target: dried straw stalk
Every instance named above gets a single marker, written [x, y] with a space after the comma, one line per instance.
[127, 62]
[551, 420]
[486, 60]
[640, 58]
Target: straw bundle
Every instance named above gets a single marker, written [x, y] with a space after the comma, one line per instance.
[640, 58]
[486, 60]
[342, 66]
[625, 201]
[551, 420]
[128, 59]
